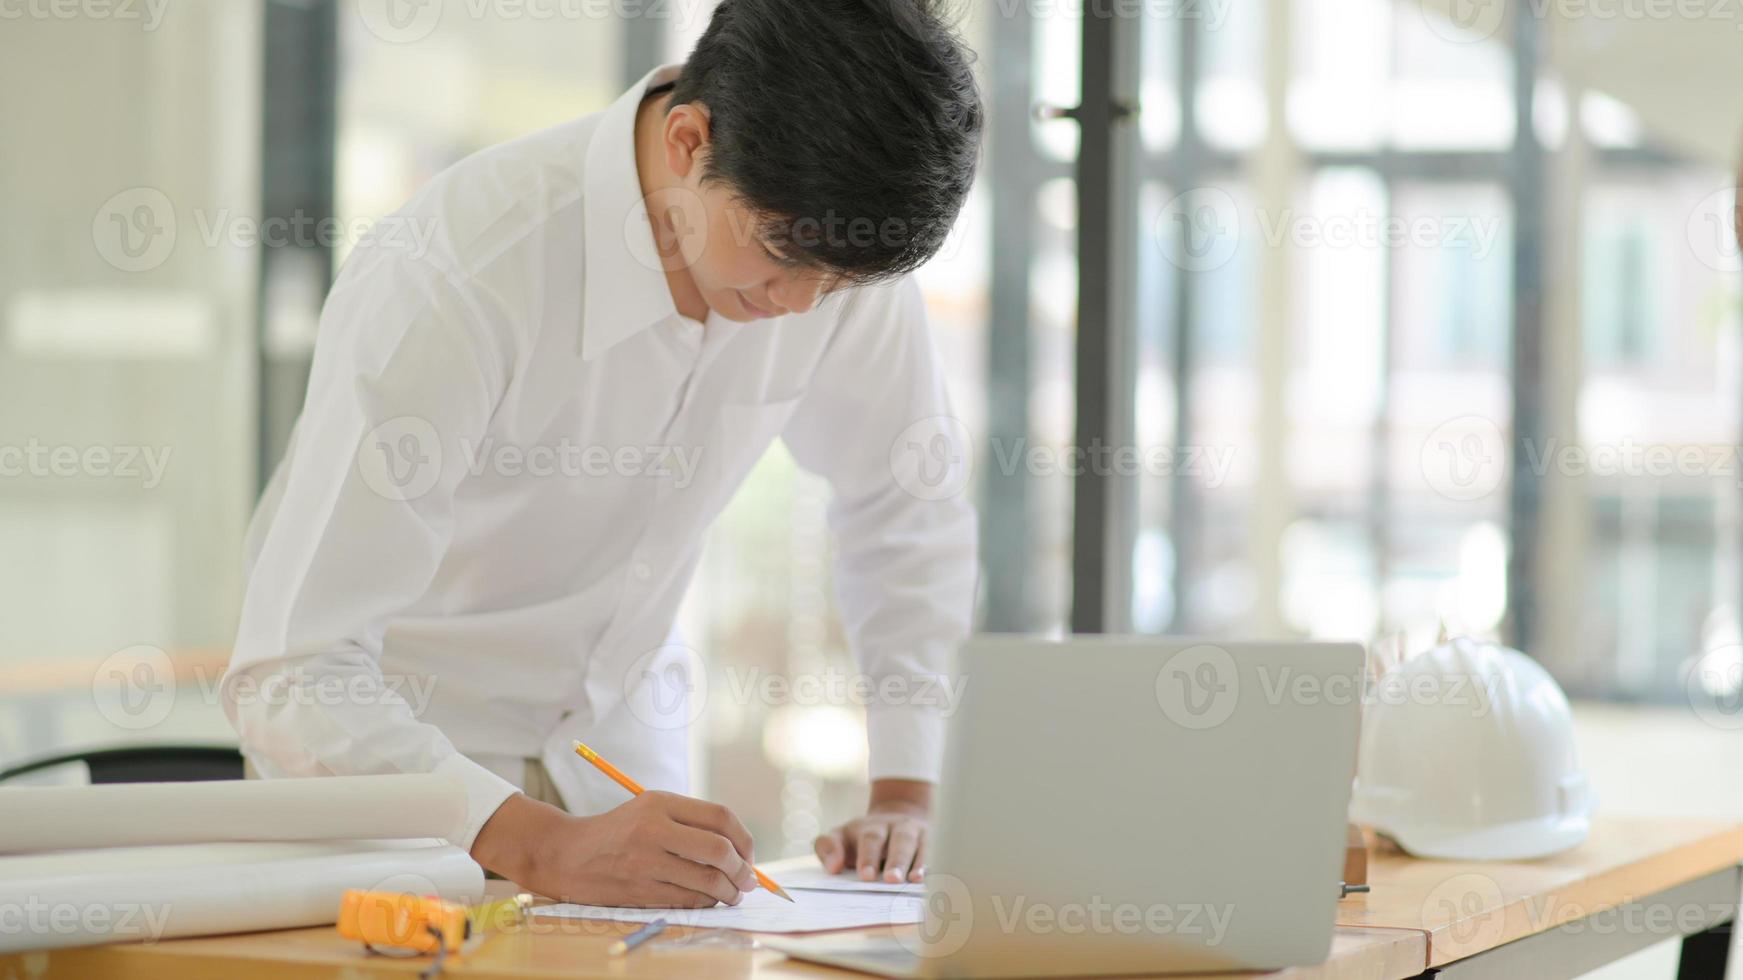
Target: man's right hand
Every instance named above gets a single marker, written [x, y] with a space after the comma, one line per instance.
[658, 850]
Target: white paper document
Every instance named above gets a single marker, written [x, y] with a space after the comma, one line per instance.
[806, 872]
[761, 911]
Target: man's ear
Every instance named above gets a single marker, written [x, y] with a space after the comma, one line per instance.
[686, 137]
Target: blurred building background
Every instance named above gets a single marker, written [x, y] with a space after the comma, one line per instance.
[1429, 317]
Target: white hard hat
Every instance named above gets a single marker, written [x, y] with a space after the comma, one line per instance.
[1468, 754]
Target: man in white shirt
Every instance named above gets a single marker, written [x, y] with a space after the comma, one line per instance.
[515, 438]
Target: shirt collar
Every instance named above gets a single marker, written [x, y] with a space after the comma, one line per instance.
[626, 290]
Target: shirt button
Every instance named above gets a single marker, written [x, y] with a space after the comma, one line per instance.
[642, 571]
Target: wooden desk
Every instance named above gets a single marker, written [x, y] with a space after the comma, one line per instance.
[550, 947]
[1539, 919]
[1632, 884]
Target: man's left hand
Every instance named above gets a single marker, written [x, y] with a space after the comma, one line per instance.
[889, 842]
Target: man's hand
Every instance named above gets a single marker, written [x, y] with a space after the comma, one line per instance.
[658, 850]
[889, 842]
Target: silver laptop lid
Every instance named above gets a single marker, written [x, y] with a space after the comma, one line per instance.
[1119, 804]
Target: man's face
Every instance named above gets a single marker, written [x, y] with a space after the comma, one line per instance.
[703, 229]
[736, 264]
[744, 273]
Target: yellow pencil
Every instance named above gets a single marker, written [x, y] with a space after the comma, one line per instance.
[634, 787]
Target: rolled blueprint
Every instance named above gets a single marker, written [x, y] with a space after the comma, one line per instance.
[54, 818]
[134, 894]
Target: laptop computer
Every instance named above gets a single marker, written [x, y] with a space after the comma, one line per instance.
[1118, 805]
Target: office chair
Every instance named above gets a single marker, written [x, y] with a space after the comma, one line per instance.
[146, 764]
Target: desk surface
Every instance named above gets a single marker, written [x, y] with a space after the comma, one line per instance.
[1421, 913]
[1467, 907]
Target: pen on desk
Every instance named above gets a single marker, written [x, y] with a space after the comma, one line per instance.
[634, 787]
[637, 937]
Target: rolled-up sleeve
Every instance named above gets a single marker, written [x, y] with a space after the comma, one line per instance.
[877, 423]
[354, 525]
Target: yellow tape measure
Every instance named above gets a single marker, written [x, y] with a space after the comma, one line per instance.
[397, 924]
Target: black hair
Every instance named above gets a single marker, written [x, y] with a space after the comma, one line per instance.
[849, 127]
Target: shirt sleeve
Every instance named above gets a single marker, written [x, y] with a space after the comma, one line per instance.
[354, 526]
[876, 422]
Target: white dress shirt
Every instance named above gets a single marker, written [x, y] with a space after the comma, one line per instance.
[477, 543]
